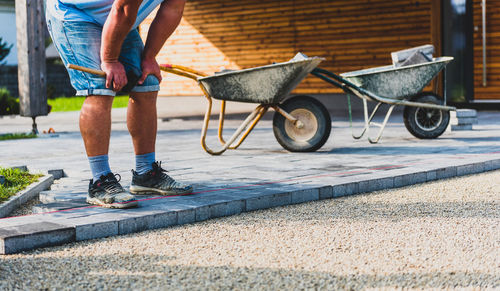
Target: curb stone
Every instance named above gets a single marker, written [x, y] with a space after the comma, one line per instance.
[19, 234]
[27, 194]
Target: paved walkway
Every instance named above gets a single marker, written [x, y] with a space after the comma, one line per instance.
[259, 175]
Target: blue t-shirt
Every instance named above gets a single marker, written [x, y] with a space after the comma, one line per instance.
[95, 11]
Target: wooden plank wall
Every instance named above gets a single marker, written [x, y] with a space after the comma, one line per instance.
[350, 34]
[492, 90]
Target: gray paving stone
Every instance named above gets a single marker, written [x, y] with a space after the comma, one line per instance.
[305, 195]
[461, 127]
[34, 235]
[142, 222]
[325, 192]
[376, 184]
[57, 206]
[464, 121]
[410, 179]
[268, 201]
[346, 189]
[466, 113]
[475, 168]
[226, 208]
[447, 172]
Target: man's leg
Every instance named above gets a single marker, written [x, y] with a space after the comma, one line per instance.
[142, 121]
[148, 176]
[95, 127]
[95, 124]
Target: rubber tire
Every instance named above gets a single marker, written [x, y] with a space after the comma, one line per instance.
[410, 117]
[323, 124]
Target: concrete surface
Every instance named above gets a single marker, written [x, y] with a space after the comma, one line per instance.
[259, 175]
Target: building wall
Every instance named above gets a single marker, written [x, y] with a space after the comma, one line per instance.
[8, 31]
[350, 34]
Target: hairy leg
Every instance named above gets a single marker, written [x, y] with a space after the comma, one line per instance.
[141, 121]
[95, 124]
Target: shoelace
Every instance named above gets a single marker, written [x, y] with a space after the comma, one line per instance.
[113, 187]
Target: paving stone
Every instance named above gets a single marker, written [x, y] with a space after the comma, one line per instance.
[475, 168]
[466, 113]
[325, 192]
[34, 235]
[345, 189]
[464, 121]
[376, 184]
[306, 195]
[57, 206]
[57, 173]
[447, 172]
[146, 222]
[461, 127]
[410, 179]
[268, 201]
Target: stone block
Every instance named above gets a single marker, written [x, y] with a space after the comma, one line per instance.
[96, 230]
[57, 173]
[376, 184]
[186, 216]
[447, 172]
[22, 168]
[146, 222]
[325, 192]
[305, 195]
[492, 165]
[58, 206]
[460, 113]
[431, 175]
[226, 208]
[464, 121]
[202, 213]
[268, 201]
[40, 234]
[475, 168]
[461, 127]
[410, 179]
[346, 189]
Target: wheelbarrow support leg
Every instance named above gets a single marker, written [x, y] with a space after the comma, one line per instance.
[368, 120]
[382, 126]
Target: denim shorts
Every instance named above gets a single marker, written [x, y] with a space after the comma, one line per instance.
[79, 43]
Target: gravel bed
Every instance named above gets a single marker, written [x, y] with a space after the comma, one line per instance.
[443, 234]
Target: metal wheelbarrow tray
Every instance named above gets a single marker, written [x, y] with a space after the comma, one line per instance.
[265, 85]
[425, 115]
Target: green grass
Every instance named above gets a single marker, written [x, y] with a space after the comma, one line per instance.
[62, 104]
[10, 136]
[16, 180]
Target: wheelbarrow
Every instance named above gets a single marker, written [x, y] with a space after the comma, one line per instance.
[425, 115]
[300, 124]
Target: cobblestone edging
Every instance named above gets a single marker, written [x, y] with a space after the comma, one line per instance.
[27, 194]
[50, 229]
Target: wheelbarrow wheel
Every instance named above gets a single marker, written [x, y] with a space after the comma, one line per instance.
[313, 131]
[426, 123]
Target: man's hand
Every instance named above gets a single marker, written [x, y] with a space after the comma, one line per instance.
[116, 78]
[149, 66]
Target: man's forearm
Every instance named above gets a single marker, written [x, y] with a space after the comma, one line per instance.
[118, 24]
[166, 21]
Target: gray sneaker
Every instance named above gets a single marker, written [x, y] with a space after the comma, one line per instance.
[156, 181]
[107, 192]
